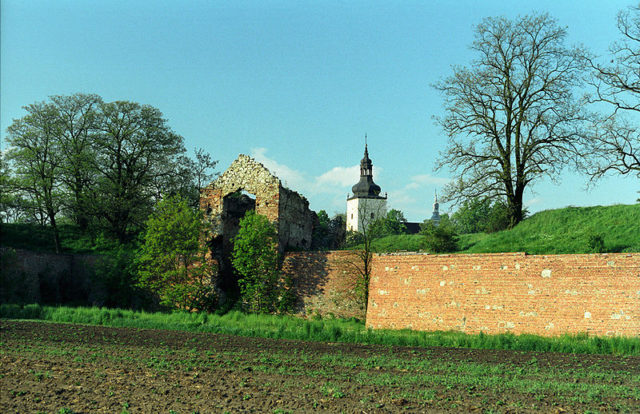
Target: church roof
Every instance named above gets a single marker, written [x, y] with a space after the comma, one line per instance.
[366, 187]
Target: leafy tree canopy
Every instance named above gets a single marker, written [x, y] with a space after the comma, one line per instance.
[255, 258]
[102, 165]
[392, 223]
[482, 215]
[442, 238]
[172, 260]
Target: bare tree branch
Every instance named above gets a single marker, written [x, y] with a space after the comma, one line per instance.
[511, 116]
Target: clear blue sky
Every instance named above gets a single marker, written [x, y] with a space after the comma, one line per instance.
[296, 84]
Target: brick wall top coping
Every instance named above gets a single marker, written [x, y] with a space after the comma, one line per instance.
[518, 254]
[515, 254]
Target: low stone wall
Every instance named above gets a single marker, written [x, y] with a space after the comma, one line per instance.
[545, 295]
[32, 277]
[325, 283]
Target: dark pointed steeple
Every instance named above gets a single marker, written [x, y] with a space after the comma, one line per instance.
[366, 187]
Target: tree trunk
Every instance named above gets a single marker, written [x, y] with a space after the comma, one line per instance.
[515, 207]
[56, 233]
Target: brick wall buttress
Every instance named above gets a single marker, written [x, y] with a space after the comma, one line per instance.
[324, 283]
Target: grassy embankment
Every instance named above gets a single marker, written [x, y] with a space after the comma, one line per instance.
[327, 330]
[560, 231]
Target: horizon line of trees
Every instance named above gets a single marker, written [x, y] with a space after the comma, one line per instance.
[101, 166]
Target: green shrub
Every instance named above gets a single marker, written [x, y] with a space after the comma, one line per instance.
[439, 239]
[172, 262]
[596, 243]
[255, 258]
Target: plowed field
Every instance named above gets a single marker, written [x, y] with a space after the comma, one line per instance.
[58, 368]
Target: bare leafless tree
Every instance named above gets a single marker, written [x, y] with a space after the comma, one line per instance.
[363, 254]
[511, 116]
[615, 139]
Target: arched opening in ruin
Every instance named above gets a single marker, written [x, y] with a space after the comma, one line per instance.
[234, 207]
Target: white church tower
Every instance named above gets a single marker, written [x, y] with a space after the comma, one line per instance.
[366, 205]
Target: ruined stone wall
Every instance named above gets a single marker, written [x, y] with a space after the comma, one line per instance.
[287, 209]
[512, 292]
[296, 220]
[224, 206]
[324, 283]
[243, 174]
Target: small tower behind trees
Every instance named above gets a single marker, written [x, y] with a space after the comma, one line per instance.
[366, 204]
[435, 217]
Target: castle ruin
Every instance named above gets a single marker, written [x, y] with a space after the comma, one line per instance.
[248, 185]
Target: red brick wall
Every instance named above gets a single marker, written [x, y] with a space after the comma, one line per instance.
[513, 292]
[324, 282]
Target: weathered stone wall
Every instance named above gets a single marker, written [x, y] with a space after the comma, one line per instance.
[295, 220]
[287, 209]
[32, 277]
[325, 282]
[513, 292]
[224, 205]
[244, 174]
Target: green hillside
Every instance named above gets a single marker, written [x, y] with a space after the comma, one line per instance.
[565, 230]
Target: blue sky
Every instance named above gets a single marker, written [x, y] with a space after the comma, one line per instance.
[295, 84]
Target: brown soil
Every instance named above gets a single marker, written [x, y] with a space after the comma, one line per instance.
[46, 367]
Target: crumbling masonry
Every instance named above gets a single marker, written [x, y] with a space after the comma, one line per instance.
[226, 200]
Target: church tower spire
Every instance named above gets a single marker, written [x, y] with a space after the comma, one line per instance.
[435, 217]
[366, 187]
[366, 204]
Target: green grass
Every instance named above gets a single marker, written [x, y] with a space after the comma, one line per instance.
[560, 231]
[564, 230]
[399, 242]
[328, 330]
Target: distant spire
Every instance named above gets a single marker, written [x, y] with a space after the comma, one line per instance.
[435, 217]
[366, 151]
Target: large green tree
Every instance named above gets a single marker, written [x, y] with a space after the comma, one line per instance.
[392, 223]
[511, 116]
[172, 260]
[482, 215]
[78, 123]
[134, 148]
[442, 238]
[101, 165]
[34, 150]
[12, 204]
